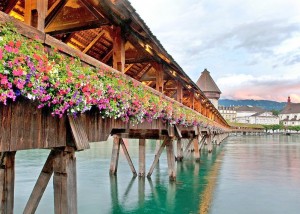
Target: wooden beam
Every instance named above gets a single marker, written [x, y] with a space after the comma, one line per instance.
[64, 182]
[115, 155]
[7, 182]
[107, 56]
[40, 185]
[171, 160]
[179, 91]
[28, 12]
[145, 69]
[53, 11]
[159, 77]
[128, 68]
[93, 42]
[42, 7]
[78, 132]
[126, 153]
[196, 149]
[156, 159]
[179, 150]
[10, 6]
[118, 50]
[142, 157]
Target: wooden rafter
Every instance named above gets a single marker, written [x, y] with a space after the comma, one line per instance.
[107, 56]
[11, 4]
[128, 67]
[93, 42]
[144, 70]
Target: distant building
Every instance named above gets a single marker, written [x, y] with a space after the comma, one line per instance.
[255, 115]
[209, 87]
[290, 115]
[229, 113]
[266, 118]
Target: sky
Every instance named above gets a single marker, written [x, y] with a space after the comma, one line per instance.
[250, 47]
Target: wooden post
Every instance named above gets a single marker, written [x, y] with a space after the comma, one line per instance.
[209, 143]
[128, 157]
[64, 182]
[187, 148]
[192, 99]
[7, 182]
[179, 91]
[28, 12]
[118, 50]
[142, 155]
[40, 185]
[179, 150]
[42, 7]
[159, 77]
[115, 155]
[157, 146]
[196, 149]
[171, 160]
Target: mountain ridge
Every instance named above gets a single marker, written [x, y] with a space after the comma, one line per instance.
[265, 104]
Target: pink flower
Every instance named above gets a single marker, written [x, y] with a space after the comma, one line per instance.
[18, 72]
[1, 54]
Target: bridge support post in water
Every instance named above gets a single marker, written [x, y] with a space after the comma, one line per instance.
[142, 157]
[196, 149]
[179, 150]
[115, 155]
[117, 142]
[171, 160]
[7, 182]
[168, 143]
[209, 142]
[65, 182]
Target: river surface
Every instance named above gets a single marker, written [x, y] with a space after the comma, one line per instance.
[246, 174]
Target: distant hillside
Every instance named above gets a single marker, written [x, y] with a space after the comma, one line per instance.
[265, 104]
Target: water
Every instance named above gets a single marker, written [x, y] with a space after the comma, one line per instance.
[249, 174]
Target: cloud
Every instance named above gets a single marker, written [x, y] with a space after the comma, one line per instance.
[264, 87]
[255, 45]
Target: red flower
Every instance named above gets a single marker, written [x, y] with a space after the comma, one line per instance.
[18, 44]
[18, 72]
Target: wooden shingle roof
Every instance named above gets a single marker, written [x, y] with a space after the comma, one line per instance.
[207, 84]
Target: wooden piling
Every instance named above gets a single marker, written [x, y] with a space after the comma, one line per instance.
[7, 182]
[196, 151]
[142, 155]
[64, 183]
[115, 156]
[171, 160]
[126, 153]
[179, 150]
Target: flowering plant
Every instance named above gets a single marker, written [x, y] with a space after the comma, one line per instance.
[68, 86]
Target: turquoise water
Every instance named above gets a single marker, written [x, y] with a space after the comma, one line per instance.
[251, 174]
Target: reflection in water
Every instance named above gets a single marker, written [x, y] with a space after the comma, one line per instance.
[259, 174]
[98, 192]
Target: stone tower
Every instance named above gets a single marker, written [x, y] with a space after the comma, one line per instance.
[209, 87]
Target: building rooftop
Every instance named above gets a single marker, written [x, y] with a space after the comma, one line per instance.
[207, 84]
[291, 108]
[249, 108]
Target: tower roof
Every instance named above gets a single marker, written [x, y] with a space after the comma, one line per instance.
[206, 83]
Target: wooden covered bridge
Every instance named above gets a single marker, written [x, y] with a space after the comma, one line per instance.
[78, 71]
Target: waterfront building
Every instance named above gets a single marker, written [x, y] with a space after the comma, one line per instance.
[255, 115]
[290, 115]
[266, 118]
[228, 112]
[209, 87]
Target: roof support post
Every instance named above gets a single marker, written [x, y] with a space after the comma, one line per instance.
[118, 50]
[159, 77]
[179, 92]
